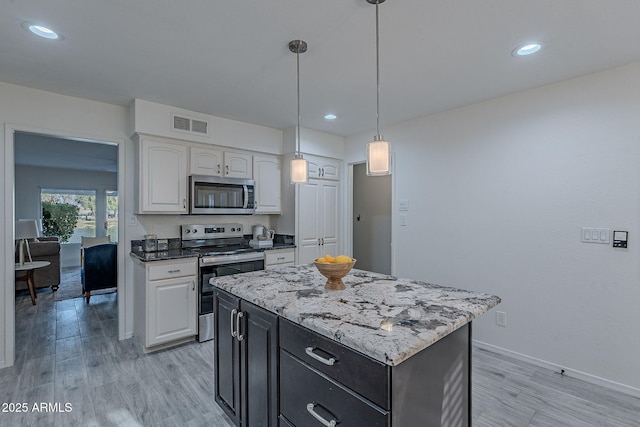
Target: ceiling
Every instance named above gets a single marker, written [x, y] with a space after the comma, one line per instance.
[50, 152]
[230, 58]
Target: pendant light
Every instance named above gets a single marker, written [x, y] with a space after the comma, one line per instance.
[299, 167]
[378, 151]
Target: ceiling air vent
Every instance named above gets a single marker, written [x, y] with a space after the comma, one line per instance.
[181, 123]
[189, 125]
[198, 126]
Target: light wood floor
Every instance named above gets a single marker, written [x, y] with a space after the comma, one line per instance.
[68, 352]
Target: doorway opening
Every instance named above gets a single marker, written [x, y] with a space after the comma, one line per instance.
[371, 222]
[50, 170]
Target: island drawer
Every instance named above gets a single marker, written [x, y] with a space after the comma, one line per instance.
[307, 397]
[360, 373]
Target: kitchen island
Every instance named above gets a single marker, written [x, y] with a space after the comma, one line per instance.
[384, 351]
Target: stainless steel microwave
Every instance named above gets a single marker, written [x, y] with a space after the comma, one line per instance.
[218, 195]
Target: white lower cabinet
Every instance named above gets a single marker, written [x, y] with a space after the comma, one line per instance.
[165, 302]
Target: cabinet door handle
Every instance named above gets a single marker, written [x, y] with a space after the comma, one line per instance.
[184, 203]
[318, 242]
[239, 324]
[233, 313]
[227, 166]
[323, 241]
[330, 361]
[322, 171]
[310, 409]
[218, 167]
[173, 271]
[193, 285]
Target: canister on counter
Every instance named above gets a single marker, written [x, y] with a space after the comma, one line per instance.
[150, 243]
[163, 244]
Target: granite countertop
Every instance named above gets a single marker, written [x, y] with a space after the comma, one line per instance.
[387, 318]
[277, 245]
[179, 253]
[162, 255]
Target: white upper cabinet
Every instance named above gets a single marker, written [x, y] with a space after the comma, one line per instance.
[213, 161]
[267, 174]
[162, 176]
[323, 167]
[318, 207]
[237, 165]
[205, 161]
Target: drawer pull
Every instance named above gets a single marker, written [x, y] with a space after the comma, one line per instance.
[310, 407]
[233, 313]
[280, 258]
[174, 271]
[238, 324]
[330, 361]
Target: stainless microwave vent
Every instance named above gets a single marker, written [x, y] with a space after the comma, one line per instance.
[189, 125]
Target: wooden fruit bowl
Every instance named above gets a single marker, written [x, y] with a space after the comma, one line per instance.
[334, 273]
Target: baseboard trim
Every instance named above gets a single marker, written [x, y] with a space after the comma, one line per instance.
[622, 388]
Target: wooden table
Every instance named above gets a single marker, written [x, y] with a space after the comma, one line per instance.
[29, 267]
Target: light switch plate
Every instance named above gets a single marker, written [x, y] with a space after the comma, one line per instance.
[403, 220]
[403, 205]
[595, 235]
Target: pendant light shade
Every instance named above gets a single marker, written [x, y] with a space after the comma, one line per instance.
[299, 167]
[378, 157]
[378, 151]
[299, 171]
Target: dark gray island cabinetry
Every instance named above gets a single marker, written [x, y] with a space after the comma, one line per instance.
[383, 352]
[245, 361]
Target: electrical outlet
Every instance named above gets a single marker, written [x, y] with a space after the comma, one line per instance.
[133, 220]
[501, 318]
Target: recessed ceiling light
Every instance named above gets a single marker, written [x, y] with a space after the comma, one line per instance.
[527, 49]
[330, 117]
[41, 31]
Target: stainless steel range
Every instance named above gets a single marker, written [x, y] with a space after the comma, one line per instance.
[222, 249]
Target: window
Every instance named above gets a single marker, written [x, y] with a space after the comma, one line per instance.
[112, 215]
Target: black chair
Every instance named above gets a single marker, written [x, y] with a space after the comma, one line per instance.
[100, 268]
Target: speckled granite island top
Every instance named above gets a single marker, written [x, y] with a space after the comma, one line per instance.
[387, 318]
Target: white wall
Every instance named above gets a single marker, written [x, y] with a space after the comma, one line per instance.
[25, 109]
[155, 119]
[497, 194]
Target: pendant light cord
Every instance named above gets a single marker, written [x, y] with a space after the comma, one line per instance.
[298, 92]
[377, 78]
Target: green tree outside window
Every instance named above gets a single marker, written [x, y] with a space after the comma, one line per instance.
[59, 219]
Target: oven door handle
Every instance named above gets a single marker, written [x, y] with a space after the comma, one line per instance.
[206, 261]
